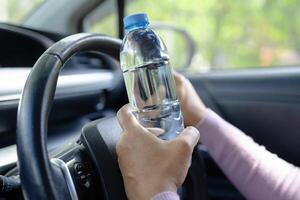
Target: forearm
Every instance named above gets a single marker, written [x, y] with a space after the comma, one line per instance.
[257, 173]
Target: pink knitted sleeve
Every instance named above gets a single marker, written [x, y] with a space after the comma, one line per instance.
[257, 173]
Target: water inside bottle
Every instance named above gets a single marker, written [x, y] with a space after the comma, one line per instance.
[152, 96]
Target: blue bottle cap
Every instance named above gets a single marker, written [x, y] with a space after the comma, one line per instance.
[135, 20]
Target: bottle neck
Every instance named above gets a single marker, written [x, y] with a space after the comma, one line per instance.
[135, 27]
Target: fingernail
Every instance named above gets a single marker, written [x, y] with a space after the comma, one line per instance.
[193, 129]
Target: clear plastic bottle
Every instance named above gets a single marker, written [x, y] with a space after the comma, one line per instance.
[148, 78]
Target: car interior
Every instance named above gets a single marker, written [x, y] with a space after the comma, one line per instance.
[61, 85]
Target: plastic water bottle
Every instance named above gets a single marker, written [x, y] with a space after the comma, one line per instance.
[148, 78]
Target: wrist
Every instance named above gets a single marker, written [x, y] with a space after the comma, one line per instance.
[196, 116]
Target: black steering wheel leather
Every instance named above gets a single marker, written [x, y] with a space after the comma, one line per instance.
[100, 138]
[37, 174]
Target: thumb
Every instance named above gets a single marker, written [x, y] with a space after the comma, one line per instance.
[127, 120]
[189, 137]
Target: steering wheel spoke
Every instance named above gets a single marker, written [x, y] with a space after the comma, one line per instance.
[77, 171]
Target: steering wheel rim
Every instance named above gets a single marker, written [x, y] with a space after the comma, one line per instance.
[34, 108]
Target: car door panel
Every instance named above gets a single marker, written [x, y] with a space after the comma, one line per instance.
[263, 103]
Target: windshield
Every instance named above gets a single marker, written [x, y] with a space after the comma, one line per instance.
[15, 11]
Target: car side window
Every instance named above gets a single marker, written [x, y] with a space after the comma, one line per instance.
[102, 19]
[228, 34]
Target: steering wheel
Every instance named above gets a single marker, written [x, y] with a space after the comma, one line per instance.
[88, 168]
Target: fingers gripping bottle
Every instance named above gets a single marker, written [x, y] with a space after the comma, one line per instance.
[148, 78]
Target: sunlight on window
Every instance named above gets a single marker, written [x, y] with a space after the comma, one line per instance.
[232, 33]
[227, 34]
[15, 11]
[107, 25]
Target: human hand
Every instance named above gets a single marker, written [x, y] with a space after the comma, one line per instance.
[148, 164]
[191, 105]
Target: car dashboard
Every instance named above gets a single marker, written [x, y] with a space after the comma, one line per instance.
[84, 89]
